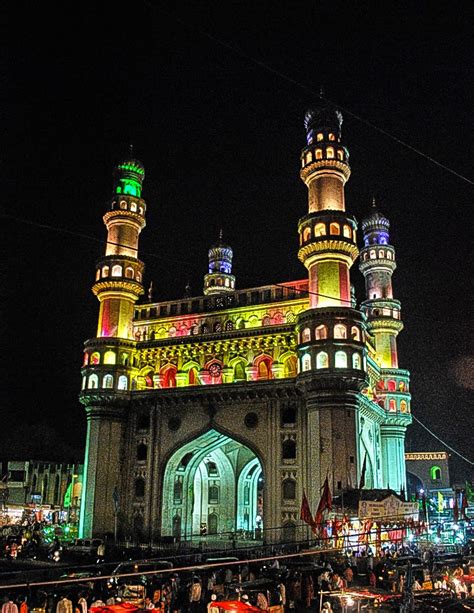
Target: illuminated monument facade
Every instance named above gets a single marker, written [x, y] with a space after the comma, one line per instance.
[217, 411]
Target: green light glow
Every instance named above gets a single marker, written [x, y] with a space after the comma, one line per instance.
[130, 187]
[132, 167]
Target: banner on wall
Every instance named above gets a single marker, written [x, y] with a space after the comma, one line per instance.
[389, 509]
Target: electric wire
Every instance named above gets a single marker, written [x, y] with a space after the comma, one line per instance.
[442, 442]
[309, 89]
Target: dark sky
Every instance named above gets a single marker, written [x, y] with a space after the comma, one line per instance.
[212, 95]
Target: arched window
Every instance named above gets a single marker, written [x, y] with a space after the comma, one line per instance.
[122, 383]
[213, 494]
[212, 523]
[330, 153]
[356, 361]
[266, 321]
[306, 335]
[290, 367]
[403, 406]
[372, 254]
[389, 255]
[392, 406]
[178, 491]
[381, 253]
[320, 229]
[109, 357]
[172, 332]
[177, 527]
[117, 271]
[306, 234]
[309, 157]
[264, 368]
[288, 417]
[334, 228]
[105, 271]
[435, 473]
[193, 378]
[95, 358]
[319, 137]
[93, 382]
[319, 154]
[138, 277]
[391, 385]
[347, 231]
[141, 452]
[322, 360]
[340, 359]
[340, 331]
[169, 377]
[108, 382]
[139, 487]
[288, 489]
[133, 207]
[340, 154]
[355, 333]
[288, 449]
[239, 371]
[306, 362]
[123, 204]
[321, 332]
[331, 136]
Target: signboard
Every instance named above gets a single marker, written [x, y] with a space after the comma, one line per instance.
[390, 509]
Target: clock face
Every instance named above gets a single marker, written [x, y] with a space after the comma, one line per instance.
[214, 370]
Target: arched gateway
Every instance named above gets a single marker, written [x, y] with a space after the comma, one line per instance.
[212, 484]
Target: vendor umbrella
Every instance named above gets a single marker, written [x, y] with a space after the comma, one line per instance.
[121, 607]
[236, 605]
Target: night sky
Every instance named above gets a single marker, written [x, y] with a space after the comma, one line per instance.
[212, 95]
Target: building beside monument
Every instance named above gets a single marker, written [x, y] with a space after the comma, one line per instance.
[213, 413]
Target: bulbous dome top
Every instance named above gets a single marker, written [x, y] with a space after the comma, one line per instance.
[131, 165]
[375, 219]
[323, 116]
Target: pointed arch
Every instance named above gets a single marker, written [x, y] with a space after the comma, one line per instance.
[264, 367]
[290, 364]
[192, 369]
[168, 375]
[238, 365]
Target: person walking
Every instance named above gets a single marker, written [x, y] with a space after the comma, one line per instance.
[195, 595]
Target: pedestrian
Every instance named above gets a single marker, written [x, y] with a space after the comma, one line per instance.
[282, 593]
[212, 605]
[148, 604]
[348, 576]
[372, 579]
[262, 602]
[9, 606]
[195, 595]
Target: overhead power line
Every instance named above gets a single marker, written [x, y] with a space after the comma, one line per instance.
[441, 441]
[309, 89]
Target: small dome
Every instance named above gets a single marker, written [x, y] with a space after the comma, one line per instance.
[318, 118]
[131, 165]
[375, 219]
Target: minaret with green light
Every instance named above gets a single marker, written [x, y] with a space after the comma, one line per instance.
[119, 273]
[108, 365]
[331, 333]
[377, 264]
